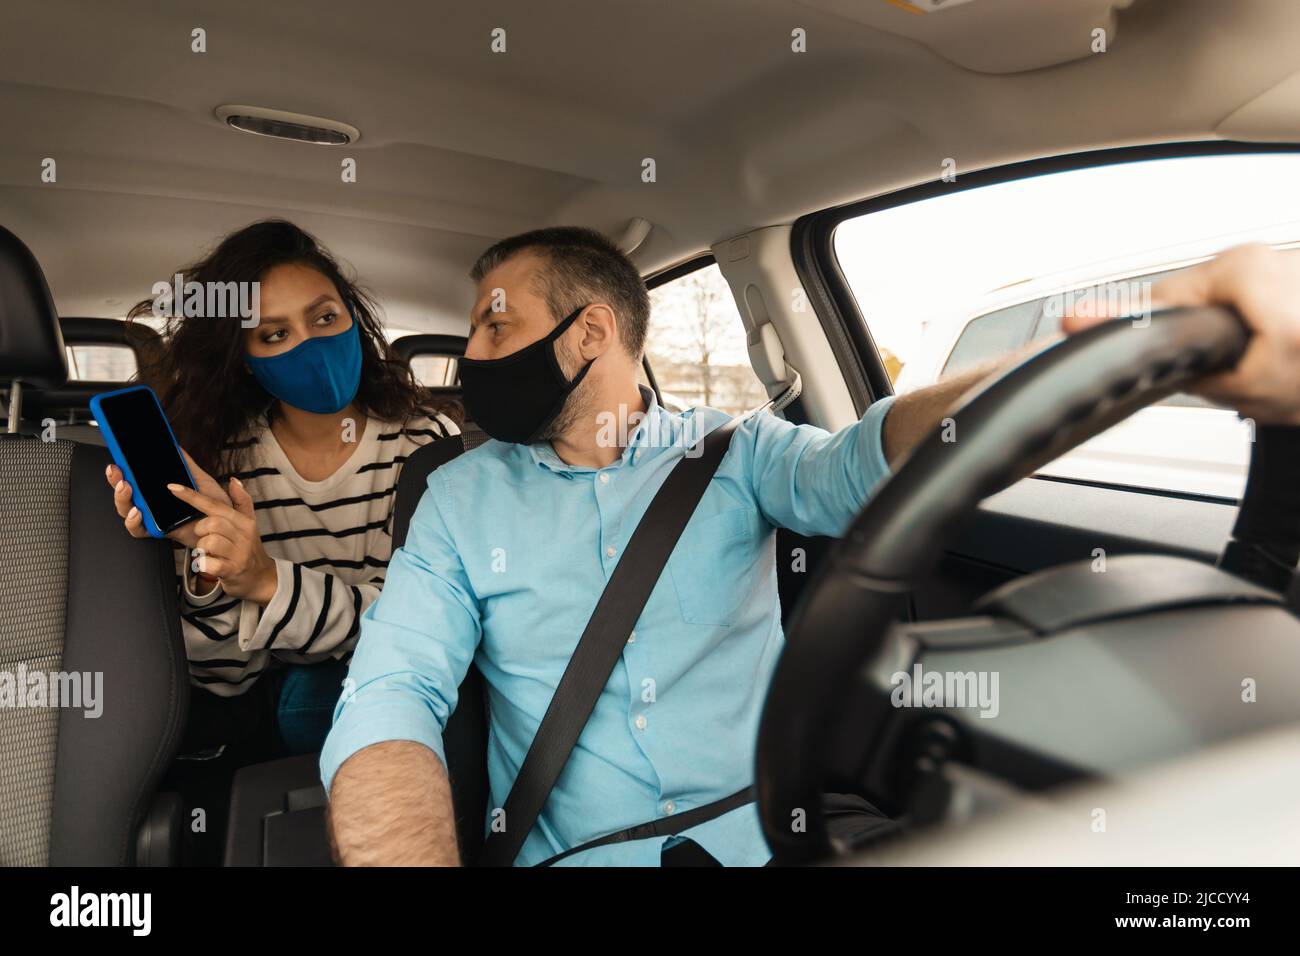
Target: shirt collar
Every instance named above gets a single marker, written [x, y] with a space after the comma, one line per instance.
[656, 419]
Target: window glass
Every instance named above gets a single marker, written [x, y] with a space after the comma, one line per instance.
[100, 363]
[999, 261]
[434, 370]
[696, 345]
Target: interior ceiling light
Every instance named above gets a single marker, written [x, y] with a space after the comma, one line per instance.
[282, 125]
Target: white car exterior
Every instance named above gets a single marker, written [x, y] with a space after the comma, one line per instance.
[1181, 444]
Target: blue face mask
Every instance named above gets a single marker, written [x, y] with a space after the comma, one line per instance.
[319, 375]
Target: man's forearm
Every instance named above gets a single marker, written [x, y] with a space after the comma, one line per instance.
[916, 414]
[390, 805]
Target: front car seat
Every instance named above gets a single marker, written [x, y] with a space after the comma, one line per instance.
[80, 597]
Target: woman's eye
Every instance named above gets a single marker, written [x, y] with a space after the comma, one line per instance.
[327, 319]
[277, 336]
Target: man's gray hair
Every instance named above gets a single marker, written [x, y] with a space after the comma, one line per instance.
[582, 267]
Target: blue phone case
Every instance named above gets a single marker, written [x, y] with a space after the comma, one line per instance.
[115, 450]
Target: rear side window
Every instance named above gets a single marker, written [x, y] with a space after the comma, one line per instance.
[696, 345]
[434, 371]
[100, 363]
[950, 282]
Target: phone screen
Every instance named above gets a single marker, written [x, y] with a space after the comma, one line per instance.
[147, 445]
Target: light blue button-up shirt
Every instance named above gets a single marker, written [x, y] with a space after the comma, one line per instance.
[505, 559]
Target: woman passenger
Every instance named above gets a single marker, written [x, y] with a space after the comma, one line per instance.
[305, 420]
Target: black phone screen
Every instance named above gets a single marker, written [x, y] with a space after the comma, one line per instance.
[147, 445]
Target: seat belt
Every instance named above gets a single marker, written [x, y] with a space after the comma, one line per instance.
[663, 826]
[602, 643]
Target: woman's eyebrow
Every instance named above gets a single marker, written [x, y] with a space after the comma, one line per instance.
[317, 303]
[309, 307]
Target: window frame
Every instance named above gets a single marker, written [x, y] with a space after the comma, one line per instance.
[818, 267]
[813, 240]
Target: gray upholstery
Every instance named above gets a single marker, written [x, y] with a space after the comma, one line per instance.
[82, 597]
[78, 596]
[122, 620]
[33, 571]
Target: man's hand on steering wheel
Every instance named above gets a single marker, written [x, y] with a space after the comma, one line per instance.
[1263, 285]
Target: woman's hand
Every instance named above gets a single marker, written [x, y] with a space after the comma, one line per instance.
[229, 546]
[134, 521]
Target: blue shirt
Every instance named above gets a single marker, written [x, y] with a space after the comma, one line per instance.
[506, 557]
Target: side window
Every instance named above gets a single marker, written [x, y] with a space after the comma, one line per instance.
[100, 363]
[431, 370]
[696, 345]
[1007, 258]
[434, 370]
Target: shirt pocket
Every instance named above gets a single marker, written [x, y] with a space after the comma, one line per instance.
[709, 565]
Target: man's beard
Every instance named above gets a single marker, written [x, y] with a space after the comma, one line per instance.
[578, 403]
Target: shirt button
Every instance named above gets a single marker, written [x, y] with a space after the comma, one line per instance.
[670, 808]
[640, 721]
[632, 638]
[611, 551]
[604, 478]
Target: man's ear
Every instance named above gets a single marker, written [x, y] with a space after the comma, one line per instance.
[598, 331]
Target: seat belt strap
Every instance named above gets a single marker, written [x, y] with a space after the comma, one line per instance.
[602, 642]
[663, 826]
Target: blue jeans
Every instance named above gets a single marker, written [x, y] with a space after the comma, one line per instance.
[308, 693]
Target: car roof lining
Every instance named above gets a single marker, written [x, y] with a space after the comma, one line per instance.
[461, 146]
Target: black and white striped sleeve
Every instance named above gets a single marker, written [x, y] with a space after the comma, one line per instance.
[210, 625]
[313, 615]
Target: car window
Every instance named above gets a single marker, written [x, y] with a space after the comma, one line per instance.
[100, 363]
[435, 370]
[1003, 260]
[696, 345]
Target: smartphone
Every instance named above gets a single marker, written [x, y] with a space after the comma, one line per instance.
[141, 441]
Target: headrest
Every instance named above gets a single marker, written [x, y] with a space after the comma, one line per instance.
[409, 346]
[31, 345]
[82, 331]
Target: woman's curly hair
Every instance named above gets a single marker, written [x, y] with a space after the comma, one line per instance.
[200, 373]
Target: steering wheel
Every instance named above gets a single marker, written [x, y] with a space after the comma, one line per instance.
[1005, 429]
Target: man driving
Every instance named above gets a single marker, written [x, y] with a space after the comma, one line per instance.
[508, 556]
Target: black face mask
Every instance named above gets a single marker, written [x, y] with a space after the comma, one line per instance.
[516, 398]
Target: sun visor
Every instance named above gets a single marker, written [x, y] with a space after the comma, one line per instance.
[989, 36]
[1273, 116]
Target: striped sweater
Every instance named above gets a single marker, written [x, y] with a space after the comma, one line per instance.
[330, 540]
